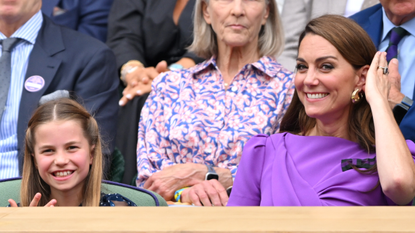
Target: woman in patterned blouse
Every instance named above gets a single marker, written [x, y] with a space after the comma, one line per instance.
[200, 118]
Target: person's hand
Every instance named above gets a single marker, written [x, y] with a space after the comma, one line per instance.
[395, 95]
[139, 81]
[170, 179]
[206, 193]
[377, 83]
[34, 202]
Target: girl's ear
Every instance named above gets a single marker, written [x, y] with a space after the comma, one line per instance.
[91, 154]
[361, 76]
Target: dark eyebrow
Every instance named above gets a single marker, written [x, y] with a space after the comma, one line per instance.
[300, 59]
[318, 59]
[326, 57]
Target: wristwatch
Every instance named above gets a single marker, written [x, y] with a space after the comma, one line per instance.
[211, 174]
[402, 108]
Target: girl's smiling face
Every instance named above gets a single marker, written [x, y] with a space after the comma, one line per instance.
[325, 80]
[62, 156]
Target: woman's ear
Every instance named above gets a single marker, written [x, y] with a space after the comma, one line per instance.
[205, 11]
[91, 154]
[264, 20]
[361, 76]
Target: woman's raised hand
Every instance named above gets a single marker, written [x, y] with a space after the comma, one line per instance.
[377, 83]
[139, 81]
[34, 202]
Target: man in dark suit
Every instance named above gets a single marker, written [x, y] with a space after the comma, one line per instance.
[47, 58]
[87, 16]
[392, 24]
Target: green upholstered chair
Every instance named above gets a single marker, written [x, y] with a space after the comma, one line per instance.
[117, 167]
[10, 189]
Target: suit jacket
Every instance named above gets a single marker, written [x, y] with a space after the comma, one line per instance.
[144, 30]
[87, 16]
[69, 60]
[371, 20]
[295, 16]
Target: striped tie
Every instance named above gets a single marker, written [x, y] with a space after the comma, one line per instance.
[5, 70]
[396, 35]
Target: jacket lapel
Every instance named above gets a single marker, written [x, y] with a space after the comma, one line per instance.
[41, 63]
[374, 27]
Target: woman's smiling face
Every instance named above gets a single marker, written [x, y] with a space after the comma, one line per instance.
[324, 80]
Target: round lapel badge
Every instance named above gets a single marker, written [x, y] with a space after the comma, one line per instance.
[34, 83]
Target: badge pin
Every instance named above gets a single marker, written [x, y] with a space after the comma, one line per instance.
[34, 83]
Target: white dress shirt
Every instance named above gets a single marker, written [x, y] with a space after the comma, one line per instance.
[406, 54]
[9, 163]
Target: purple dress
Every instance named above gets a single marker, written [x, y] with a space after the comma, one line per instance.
[290, 170]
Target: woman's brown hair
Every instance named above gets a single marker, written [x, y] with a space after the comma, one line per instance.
[355, 45]
[56, 110]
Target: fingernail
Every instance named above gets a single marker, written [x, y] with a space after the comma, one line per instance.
[139, 92]
[121, 103]
[128, 96]
[395, 61]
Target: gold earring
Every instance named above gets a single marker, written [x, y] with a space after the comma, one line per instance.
[356, 96]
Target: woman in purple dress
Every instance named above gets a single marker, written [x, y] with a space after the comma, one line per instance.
[340, 144]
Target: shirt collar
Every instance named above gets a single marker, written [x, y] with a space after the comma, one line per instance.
[266, 64]
[29, 30]
[409, 26]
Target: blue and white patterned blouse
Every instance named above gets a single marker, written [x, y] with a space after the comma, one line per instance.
[190, 117]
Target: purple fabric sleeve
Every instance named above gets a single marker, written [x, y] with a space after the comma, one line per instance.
[246, 187]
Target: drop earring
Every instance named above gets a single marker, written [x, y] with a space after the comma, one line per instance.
[356, 96]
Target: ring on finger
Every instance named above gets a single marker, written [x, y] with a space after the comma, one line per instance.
[385, 69]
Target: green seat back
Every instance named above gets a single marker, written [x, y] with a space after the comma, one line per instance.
[10, 189]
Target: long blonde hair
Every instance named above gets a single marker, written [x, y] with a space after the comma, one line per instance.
[61, 109]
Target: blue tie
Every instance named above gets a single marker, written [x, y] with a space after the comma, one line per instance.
[396, 35]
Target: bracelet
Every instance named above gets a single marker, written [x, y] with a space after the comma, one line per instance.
[132, 63]
[178, 194]
[129, 67]
[175, 66]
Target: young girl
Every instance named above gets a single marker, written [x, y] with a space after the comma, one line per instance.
[63, 159]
